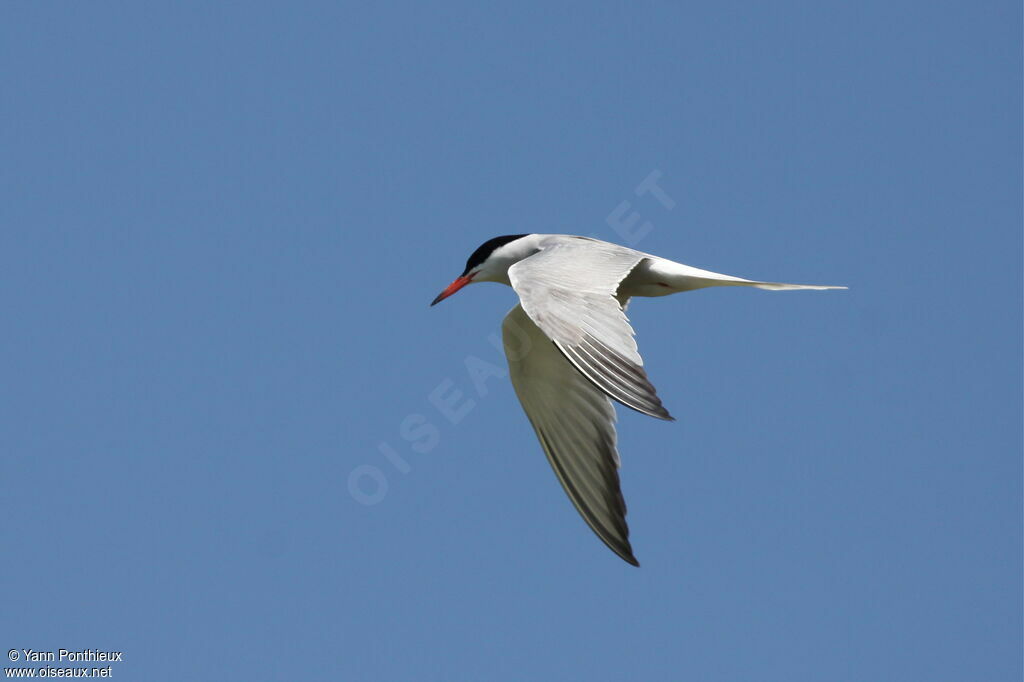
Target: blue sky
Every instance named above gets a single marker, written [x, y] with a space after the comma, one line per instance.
[222, 225]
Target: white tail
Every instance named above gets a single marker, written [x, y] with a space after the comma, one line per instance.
[678, 277]
[781, 286]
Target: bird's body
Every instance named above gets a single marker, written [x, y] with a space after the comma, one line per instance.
[571, 352]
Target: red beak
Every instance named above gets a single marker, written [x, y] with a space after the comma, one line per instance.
[452, 288]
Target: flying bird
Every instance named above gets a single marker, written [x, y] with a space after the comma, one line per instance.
[571, 352]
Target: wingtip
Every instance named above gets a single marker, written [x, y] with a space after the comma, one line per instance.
[621, 546]
[624, 552]
[663, 414]
[658, 412]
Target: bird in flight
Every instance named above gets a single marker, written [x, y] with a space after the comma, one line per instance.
[571, 352]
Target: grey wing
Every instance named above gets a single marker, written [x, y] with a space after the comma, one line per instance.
[575, 423]
[569, 290]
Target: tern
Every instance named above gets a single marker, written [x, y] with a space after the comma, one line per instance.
[571, 352]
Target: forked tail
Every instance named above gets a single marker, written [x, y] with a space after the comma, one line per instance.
[658, 277]
[782, 286]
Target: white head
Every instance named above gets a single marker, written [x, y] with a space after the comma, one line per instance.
[491, 261]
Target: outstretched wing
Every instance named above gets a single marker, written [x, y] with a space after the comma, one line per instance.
[569, 290]
[575, 423]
